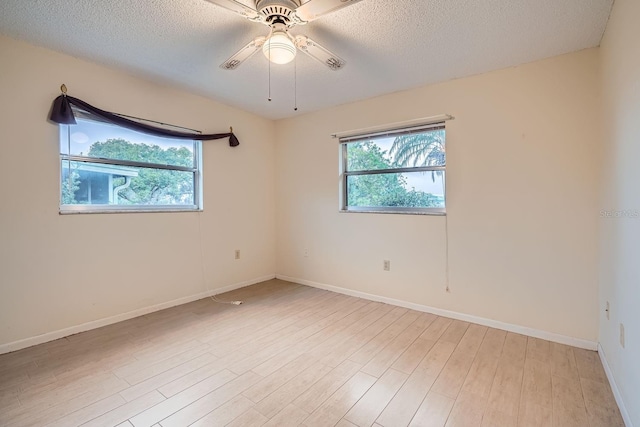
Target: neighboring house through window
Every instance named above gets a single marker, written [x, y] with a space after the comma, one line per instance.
[95, 182]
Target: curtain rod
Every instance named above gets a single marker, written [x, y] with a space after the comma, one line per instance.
[425, 121]
[157, 122]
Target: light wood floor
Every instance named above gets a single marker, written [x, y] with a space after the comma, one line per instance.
[294, 355]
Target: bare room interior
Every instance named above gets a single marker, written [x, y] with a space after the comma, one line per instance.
[320, 213]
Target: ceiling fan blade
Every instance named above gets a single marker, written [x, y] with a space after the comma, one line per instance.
[314, 9]
[243, 54]
[314, 50]
[239, 8]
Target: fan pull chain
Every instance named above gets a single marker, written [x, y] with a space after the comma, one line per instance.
[269, 72]
[295, 83]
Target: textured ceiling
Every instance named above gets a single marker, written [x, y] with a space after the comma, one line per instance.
[389, 45]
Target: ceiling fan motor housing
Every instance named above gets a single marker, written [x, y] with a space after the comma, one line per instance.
[278, 11]
[280, 47]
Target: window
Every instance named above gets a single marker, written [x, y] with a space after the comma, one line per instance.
[107, 168]
[399, 171]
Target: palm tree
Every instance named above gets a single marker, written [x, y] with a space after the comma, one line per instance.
[422, 149]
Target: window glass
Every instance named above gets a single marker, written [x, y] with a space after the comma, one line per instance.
[103, 140]
[108, 168]
[398, 171]
[411, 190]
[405, 150]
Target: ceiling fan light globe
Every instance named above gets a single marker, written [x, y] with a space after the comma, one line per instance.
[279, 48]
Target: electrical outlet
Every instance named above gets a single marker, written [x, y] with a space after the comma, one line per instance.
[607, 310]
[237, 253]
[386, 265]
[305, 253]
[621, 335]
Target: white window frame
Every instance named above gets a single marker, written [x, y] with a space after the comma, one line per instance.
[104, 208]
[392, 130]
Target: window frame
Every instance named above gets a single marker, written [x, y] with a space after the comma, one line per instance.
[345, 173]
[196, 170]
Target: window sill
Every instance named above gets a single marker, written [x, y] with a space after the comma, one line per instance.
[395, 212]
[78, 211]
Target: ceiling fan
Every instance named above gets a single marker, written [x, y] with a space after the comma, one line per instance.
[280, 46]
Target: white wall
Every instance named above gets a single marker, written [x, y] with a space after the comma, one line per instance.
[620, 236]
[61, 271]
[522, 200]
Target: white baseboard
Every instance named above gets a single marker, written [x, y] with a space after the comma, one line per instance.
[54, 335]
[614, 387]
[536, 333]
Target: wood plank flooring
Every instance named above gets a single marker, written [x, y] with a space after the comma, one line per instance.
[293, 355]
